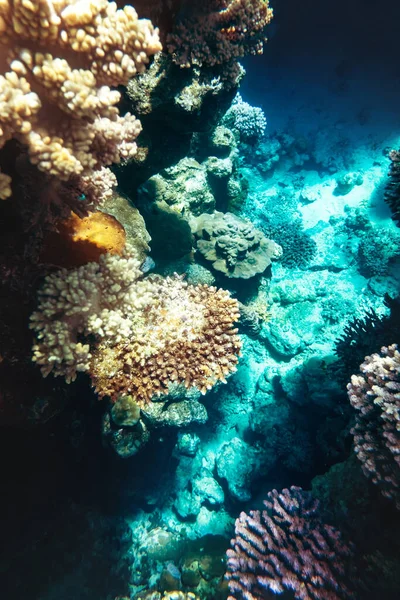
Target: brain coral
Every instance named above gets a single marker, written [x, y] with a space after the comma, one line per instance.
[134, 335]
[233, 246]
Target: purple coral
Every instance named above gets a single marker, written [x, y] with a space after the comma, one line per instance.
[286, 548]
[375, 394]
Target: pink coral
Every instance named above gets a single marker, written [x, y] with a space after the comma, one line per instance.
[375, 395]
[286, 548]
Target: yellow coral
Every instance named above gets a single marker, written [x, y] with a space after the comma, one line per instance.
[55, 96]
[78, 241]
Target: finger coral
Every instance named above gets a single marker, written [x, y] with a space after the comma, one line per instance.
[134, 336]
[375, 395]
[286, 548]
[60, 58]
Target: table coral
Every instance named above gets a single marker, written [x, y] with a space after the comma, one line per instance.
[375, 395]
[134, 335]
[286, 548]
[59, 59]
[233, 246]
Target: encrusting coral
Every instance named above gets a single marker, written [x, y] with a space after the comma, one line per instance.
[79, 240]
[375, 395]
[134, 336]
[233, 246]
[59, 59]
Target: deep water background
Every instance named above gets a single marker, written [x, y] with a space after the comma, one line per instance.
[326, 64]
[342, 56]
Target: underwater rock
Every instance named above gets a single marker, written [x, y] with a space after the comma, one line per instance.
[171, 198]
[168, 200]
[235, 464]
[313, 382]
[185, 100]
[187, 444]
[222, 142]
[125, 441]
[219, 153]
[345, 183]
[125, 412]
[208, 491]
[233, 246]
[177, 414]
[299, 288]
[184, 187]
[284, 340]
[162, 545]
[187, 506]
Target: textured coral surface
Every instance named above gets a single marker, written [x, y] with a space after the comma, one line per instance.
[375, 395]
[59, 59]
[286, 548]
[149, 332]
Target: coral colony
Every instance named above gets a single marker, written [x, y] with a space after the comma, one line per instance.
[197, 288]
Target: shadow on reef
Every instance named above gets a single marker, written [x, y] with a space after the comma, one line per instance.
[64, 499]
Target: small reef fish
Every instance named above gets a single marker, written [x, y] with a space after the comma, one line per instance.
[147, 265]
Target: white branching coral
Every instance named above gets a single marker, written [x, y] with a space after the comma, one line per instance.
[134, 335]
[60, 59]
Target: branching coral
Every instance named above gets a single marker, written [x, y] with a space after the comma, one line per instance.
[247, 121]
[286, 548]
[214, 32]
[375, 395]
[62, 56]
[392, 191]
[132, 335]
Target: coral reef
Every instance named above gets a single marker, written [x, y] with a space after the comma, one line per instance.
[298, 248]
[233, 246]
[55, 95]
[247, 121]
[375, 395]
[170, 199]
[217, 32]
[149, 332]
[287, 548]
[79, 240]
[392, 191]
[173, 595]
[377, 250]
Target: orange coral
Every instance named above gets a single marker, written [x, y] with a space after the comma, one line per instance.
[78, 241]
